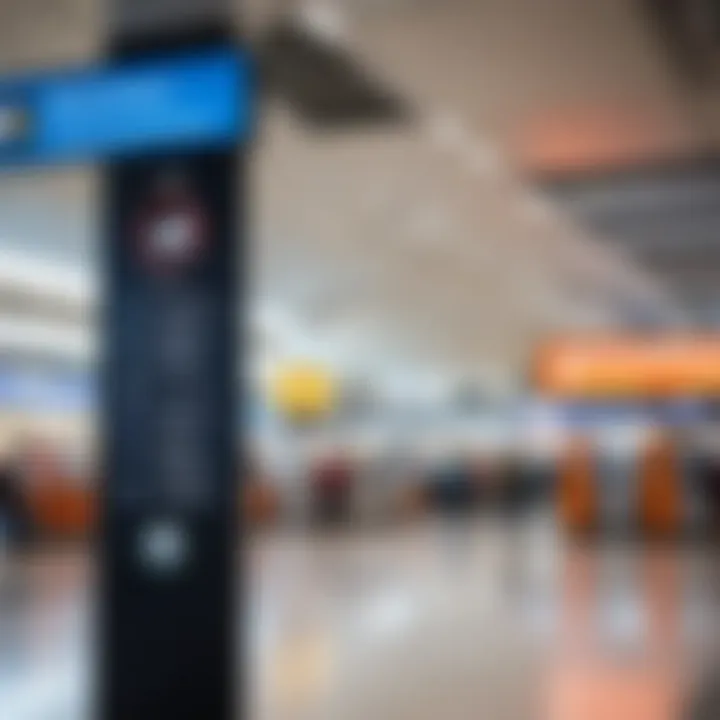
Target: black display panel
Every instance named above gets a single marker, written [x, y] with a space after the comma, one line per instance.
[170, 486]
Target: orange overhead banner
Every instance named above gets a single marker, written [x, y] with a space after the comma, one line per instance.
[629, 367]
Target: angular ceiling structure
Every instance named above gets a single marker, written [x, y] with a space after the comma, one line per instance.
[412, 234]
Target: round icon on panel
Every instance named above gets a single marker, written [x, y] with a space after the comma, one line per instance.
[172, 228]
[164, 547]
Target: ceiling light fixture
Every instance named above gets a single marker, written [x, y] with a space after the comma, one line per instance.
[323, 20]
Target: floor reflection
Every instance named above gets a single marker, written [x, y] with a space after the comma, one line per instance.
[478, 619]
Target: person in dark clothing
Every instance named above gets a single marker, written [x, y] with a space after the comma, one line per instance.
[452, 487]
[708, 470]
[332, 486]
[15, 524]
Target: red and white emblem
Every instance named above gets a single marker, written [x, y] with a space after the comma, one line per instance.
[172, 231]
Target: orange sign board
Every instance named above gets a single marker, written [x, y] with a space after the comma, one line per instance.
[630, 367]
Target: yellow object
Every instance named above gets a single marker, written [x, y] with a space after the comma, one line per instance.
[304, 391]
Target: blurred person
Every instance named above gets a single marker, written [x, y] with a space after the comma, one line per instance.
[485, 480]
[46, 486]
[259, 498]
[520, 480]
[662, 505]
[285, 467]
[694, 466]
[540, 472]
[15, 516]
[380, 473]
[332, 480]
[706, 464]
[535, 464]
[577, 490]
[451, 484]
[617, 469]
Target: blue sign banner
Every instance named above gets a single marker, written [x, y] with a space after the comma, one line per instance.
[201, 100]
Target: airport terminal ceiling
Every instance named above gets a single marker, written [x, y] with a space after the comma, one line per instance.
[428, 239]
[482, 215]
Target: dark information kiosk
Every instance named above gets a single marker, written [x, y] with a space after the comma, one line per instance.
[167, 117]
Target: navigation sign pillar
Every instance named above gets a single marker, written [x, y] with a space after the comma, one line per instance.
[173, 235]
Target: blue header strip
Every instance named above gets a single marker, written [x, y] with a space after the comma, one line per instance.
[201, 100]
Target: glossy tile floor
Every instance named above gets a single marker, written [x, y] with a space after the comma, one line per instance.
[478, 620]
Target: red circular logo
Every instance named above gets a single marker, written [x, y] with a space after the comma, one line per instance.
[172, 233]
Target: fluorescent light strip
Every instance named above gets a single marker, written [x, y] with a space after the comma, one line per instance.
[28, 274]
[52, 339]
